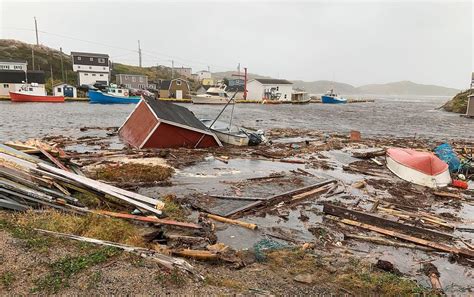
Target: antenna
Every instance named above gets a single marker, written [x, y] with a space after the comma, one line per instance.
[139, 55]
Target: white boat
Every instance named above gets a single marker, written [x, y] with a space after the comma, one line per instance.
[421, 168]
[233, 135]
[214, 95]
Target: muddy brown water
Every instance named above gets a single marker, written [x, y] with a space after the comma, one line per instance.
[405, 117]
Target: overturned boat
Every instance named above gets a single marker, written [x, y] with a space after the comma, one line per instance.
[232, 134]
[421, 168]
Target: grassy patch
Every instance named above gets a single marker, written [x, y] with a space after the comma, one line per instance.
[31, 239]
[63, 269]
[132, 172]
[356, 277]
[225, 283]
[99, 227]
[7, 279]
[458, 103]
[172, 209]
[175, 278]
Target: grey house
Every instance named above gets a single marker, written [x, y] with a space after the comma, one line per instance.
[132, 81]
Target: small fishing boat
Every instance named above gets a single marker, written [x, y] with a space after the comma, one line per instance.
[300, 97]
[233, 135]
[332, 98]
[107, 98]
[421, 168]
[214, 95]
[33, 93]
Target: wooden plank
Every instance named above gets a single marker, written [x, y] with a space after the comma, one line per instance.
[309, 193]
[233, 222]
[8, 204]
[431, 244]
[236, 198]
[447, 195]
[382, 222]
[276, 198]
[105, 188]
[52, 159]
[147, 219]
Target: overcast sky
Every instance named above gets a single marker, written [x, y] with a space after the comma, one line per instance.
[353, 42]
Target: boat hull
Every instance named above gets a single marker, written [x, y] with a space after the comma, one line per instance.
[301, 101]
[333, 100]
[231, 138]
[410, 174]
[101, 98]
[19, 97]
[210, 100]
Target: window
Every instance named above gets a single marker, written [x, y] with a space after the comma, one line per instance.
[91, 59]
[119, 91]
[5, 67]
[93, 74]
[59, 90]
[90, 67]
[78, 67]
[101, 60]
[141, 79]
[17, 67]
[5, 86]
[103, 68]
[30, 89]
[101, 75]
[178, 82]
[79, 58]
[285, 96]
[278, 89]
[86, 74]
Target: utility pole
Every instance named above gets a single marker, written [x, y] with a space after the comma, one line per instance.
[208, 68]
[36, 29]
[33, 57]
[139, 55]
[172, 69]
[62, 65]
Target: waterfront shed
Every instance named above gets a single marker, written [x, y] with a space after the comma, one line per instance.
[65, 90]
[159, 124]
[269, 89]
[176, 88]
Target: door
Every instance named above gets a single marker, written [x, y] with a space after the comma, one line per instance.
[179, 94]
[68, 92]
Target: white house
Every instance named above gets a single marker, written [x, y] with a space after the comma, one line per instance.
[65, 90]
[269, 89]
[91, 68]
[203, 74]
[13, 65]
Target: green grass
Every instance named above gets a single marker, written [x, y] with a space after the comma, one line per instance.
[30, 238]
[63, 269]
[7, 279]
[458, 103]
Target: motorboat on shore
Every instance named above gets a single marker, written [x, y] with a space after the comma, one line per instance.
[232, 134]
[33, 93]
[213, 95]
[300, 97]
[332, 98]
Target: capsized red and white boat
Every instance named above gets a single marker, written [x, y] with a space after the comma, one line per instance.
[33, 93]
[421, 168]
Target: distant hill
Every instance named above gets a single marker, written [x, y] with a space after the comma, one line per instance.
[406, 88]
[394, 88]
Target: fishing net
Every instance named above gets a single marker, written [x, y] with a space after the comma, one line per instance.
[265, 245]
[446, 153]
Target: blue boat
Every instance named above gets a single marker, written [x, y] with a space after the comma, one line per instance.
[331, 98]
[105, 98]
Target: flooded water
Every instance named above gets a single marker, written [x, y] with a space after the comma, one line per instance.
[398, 117]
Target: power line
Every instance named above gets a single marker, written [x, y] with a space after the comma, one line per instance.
[149, 52]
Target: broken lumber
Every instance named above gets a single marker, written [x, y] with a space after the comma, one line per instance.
[196, 254]
[420, 241]
[52, 159]
[385, 241]
[147, 219]
[230, 221]
[447, 195]
[309, 193]
[359, 216]
[236, 197]
[164, 260]
[267, 177]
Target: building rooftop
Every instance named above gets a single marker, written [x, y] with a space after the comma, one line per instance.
[89, 54]
[273, 81]
[12, 61]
